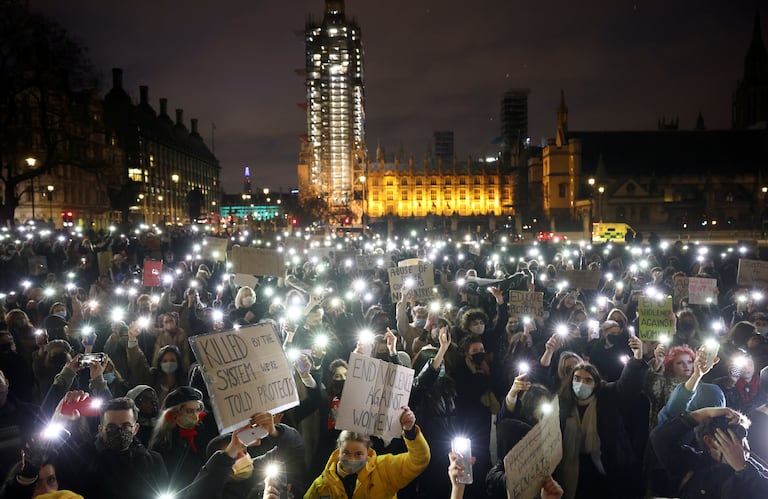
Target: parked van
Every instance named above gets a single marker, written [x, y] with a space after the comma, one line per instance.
[610, 232]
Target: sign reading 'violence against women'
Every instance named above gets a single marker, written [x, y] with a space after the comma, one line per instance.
[373, 397]
[245, 372]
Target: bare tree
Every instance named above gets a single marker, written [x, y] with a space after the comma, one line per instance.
[49, 106]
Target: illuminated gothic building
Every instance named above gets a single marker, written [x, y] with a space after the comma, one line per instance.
[175, 176]
[333, 154]
[405, 188]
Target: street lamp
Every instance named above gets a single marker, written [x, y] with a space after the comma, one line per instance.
[601, 190]
[174, 196]
[50, 199]
[31, 162]
[363, 178]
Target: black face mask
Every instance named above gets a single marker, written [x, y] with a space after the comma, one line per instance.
[337, 386]
[478, 358]
[118, 439]
[7, 348]
[685, 327]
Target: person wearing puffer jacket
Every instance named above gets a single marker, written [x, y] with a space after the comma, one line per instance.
[355, 470]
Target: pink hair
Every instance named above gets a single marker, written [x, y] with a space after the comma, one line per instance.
[674, 353]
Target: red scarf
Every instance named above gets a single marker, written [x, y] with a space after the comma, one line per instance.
[189, 434]
[747, 390]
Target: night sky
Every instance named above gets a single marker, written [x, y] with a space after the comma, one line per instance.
[439, 64]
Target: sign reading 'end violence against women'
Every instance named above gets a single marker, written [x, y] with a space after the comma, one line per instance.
[245, 372]
[373, 397]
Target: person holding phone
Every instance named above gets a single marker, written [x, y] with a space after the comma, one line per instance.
[355, 468]
[598, 458]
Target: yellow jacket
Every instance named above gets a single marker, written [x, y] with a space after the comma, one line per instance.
[381, 477]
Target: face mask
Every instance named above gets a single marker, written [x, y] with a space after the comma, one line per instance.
[513, 328]
[685, 327]
[477, 329]
[248, 301]
[169, 367]
[187, 422]
[478, 358]
[109, 377]
[243, 468]
[118, 439]
[62, 314]
[582, 391]
[352, 466]
[420, 323]
[338, 386]
[3, 394]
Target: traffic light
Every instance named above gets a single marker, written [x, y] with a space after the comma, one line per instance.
[294, 221]
[67, 217]
[346, 220]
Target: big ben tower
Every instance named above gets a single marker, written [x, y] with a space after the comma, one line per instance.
[334, 152]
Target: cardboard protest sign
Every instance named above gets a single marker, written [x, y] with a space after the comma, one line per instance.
[334, 255]
[408, 262]
[245, 372]
[373, 397]
[654, 317]
[702, 290]
[526, 303]
[257, 261]
[241, 280]
[581, 279]
[535, 457]
[105, 261]
[680, 289]
[418, 278]
[215, 249]
[752, 273]
[38, 265]
[151, 274]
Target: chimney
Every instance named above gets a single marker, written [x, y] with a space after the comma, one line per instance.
[144, 100]
[180, 117]
[193, 121]
[163, 107]
[117, 78]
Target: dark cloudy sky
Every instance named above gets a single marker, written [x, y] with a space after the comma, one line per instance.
[430, 64]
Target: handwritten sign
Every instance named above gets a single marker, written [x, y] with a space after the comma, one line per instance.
[214, 249]
[581, 279]
[702, 290]
[151, 274]
[752, 273]
[680, 289]
[418, 278]
[373, 397]
[534, 457]
[526, 303]
[654, 317]
[245, 372]
[257, 261]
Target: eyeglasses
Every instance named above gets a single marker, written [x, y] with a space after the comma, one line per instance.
[124, 426]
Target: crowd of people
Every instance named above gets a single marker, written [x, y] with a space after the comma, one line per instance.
[102, 396]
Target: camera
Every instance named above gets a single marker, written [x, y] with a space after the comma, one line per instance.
[91, 358]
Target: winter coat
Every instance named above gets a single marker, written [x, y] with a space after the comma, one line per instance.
[381, 477]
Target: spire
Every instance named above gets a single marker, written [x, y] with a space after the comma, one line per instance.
[756, 61]
[700, 122]
[334, 7]
[562, 122]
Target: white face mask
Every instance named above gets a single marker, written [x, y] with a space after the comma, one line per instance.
[582, 391]
[248, 301]
[477, 329]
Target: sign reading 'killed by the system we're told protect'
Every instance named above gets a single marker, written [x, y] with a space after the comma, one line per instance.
[246, 372]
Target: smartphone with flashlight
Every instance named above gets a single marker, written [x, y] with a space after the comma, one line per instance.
[89, 407]
[252, 434]
[711, 348]
[463, 448]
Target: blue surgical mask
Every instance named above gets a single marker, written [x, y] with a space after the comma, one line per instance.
[582, 391]
[109, 377]
[420, 323]
[62, 314]
[352, 466]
